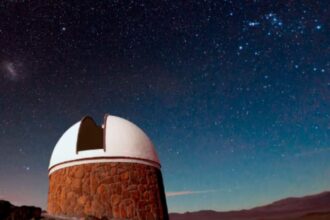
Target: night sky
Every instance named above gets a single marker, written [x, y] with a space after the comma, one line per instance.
[235, 95]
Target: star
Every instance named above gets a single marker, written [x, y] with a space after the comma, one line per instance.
[253, 23]
[27, 168]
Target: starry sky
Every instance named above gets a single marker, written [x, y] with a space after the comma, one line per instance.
[234, 94]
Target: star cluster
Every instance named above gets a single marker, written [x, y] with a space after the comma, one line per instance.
[234, 94]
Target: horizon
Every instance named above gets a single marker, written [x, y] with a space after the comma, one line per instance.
[189, 211]
[235, 96]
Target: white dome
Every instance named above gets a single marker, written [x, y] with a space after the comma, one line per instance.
[122, 141]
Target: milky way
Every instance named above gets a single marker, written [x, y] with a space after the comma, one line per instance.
[234, 94]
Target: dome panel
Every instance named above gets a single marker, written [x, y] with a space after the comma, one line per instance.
[65, 149]
[123, 138]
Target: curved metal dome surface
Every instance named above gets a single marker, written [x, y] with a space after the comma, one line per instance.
[123, 141]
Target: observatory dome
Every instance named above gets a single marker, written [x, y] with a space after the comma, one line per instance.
[117, 140]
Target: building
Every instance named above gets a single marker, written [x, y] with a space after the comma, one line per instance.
[106, 171]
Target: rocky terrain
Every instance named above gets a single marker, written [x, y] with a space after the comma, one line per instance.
[11, 212]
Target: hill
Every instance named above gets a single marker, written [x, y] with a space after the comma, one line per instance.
[313, 207]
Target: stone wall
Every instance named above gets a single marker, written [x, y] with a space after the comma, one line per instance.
[113, 190]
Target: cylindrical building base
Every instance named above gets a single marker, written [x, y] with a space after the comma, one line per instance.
[112, 190]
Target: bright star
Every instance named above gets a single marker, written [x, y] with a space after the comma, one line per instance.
[253, 23]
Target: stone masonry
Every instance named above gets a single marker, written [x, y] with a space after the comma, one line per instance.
[113, 190]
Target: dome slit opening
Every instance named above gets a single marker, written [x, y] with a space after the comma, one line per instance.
[90, 135]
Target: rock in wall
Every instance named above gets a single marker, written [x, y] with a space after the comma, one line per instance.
[112, 190]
